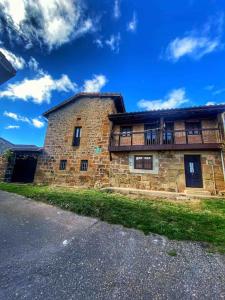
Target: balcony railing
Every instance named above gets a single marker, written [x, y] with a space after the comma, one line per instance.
[161, 138]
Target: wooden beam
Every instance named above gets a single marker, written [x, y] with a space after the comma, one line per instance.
[168, 147]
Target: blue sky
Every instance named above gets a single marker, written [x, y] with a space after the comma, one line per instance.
[158, 54]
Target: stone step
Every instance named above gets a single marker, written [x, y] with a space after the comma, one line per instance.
[197, 191]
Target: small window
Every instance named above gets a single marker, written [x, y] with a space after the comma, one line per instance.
[193, 128]
[126, 130]
[84, 165]
[143, 162]
[77, 136]
[62, 164]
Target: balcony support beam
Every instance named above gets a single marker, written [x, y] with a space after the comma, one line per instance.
[189, 147]
[161, 129]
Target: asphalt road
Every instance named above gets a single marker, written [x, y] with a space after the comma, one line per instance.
[47, 253]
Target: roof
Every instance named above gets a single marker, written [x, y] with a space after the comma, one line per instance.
[29, 148]
[187, 112]
[118, 99]
[6, 69]
[6, 145]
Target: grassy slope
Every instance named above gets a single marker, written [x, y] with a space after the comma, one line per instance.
[198, 221]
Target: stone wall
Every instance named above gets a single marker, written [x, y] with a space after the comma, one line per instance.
[3, 167]
[168, 172]
[92, 116]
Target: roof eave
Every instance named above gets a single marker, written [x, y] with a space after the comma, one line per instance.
[207, 109]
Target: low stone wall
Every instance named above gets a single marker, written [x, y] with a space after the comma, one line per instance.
[3, 167]
[168, 173]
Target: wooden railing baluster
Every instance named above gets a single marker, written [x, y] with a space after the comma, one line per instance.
[168, 137]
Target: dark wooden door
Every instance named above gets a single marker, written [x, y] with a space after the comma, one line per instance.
[193, 171]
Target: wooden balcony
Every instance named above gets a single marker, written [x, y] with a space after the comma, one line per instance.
[161, 139]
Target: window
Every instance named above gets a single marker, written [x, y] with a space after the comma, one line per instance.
[143, 162]
[193, 128]
[62, 164]
[77, 136]
[84, 165]
[126, 130]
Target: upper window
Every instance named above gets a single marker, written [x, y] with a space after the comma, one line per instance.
[62, 164]
[143, 162]
[84, 165]
[126, 130]
[77, 136]
[193, 128]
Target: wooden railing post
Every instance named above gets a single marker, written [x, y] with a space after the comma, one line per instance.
[202, 138]
[164, 137]
[161, 130]
[186, 134]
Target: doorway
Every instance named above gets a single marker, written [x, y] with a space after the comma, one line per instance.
[193, 171]
[24, 169]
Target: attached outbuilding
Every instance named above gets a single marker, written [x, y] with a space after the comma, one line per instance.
[18, 162]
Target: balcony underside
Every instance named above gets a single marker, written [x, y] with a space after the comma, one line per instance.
[159, 147]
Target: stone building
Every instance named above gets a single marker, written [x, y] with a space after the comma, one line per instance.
[17, 162]
[92, 141]
[77, 140]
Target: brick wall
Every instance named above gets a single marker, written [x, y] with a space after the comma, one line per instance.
[170, 175]
[92, 116]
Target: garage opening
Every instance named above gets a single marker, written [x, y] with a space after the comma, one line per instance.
[24, 169]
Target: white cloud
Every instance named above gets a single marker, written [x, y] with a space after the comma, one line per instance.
[37, 123]
[195, 47]
[16, 117]
[214, 90]
[114, 42]
[12, 127]
[197, 44]
[17, 61]
[33, 64]
[218, 92]
[116, 9]
[95, 85]
[51, 23]
[99, 43]
[174, 99]
[38, 89]
[210, 103]
[210, 87]
[132, 25]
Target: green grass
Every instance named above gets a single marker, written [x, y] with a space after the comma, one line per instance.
[191, 220]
